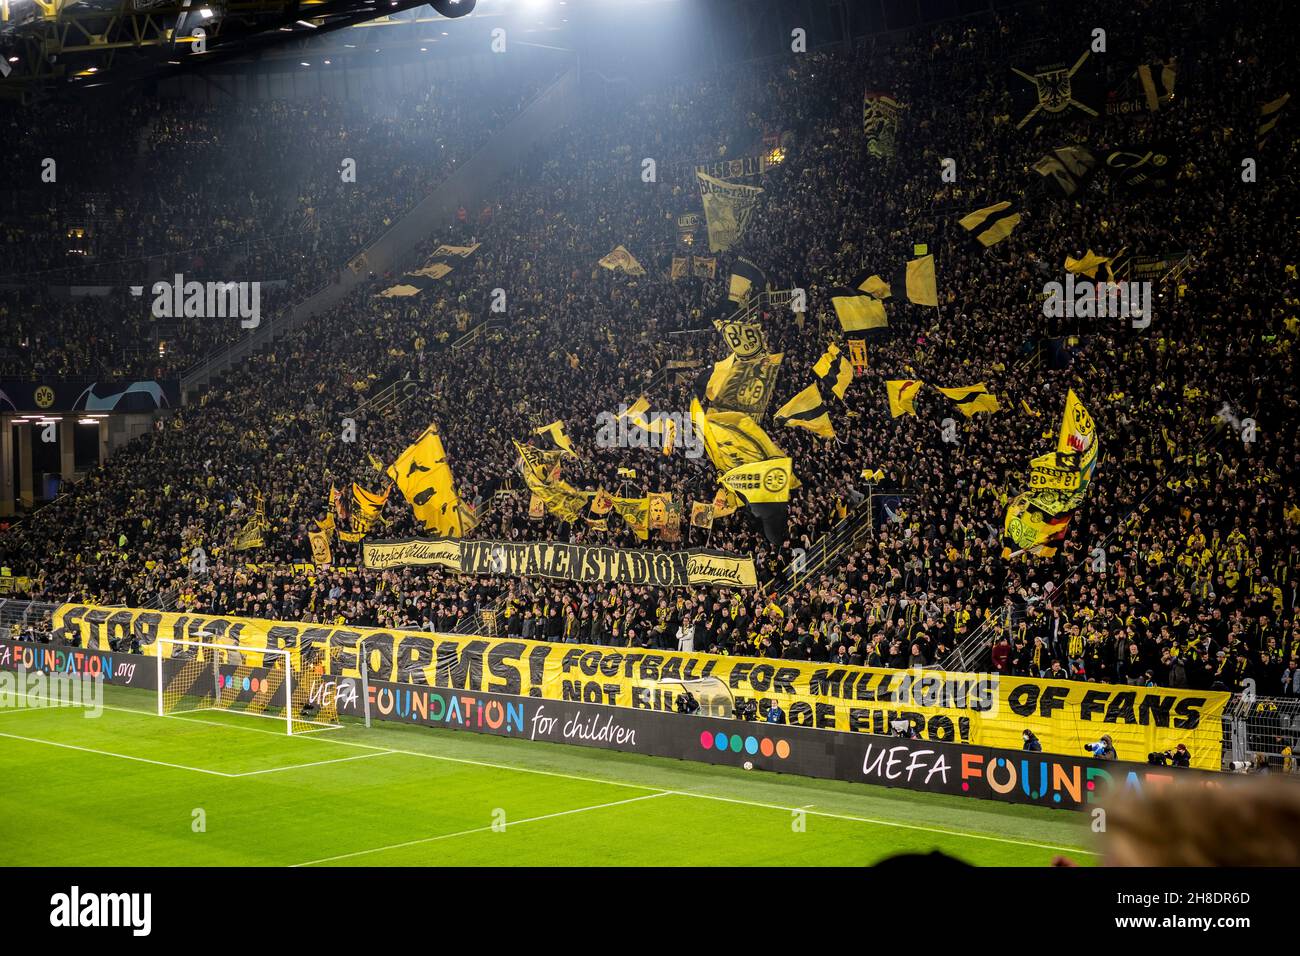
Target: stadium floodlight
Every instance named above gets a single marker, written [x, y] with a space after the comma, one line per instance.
[196, 676]
[453, 8]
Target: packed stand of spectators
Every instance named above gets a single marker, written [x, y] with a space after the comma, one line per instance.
[1197, 528]
[152, 187]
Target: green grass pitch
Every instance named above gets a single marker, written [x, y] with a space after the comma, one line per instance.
[130, 789]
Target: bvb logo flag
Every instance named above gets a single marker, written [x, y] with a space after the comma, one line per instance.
[744, 385]
[745, 339]
[761, 482]
[766, 486]
[728, 208]
[424, 478]
[1054, 86]
[1028, 529]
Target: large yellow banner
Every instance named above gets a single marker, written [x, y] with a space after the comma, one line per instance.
[981, 709]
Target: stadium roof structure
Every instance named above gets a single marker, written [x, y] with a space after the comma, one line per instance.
[48, 46]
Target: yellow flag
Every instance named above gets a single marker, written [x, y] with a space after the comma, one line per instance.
[761, 482]
[836, 369]
[807, 410]
[424, 478]
[902, 396]
[922, 286]
[973, 399]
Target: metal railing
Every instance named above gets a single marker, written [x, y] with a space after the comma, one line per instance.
[391, 396]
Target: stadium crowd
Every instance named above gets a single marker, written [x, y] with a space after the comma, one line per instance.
[1179, 569]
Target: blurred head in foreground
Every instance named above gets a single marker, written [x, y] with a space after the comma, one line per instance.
[1247, 822]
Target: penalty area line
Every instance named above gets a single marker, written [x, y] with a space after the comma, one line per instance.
[109, 753]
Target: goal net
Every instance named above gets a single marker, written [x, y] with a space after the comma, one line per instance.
[275, 684]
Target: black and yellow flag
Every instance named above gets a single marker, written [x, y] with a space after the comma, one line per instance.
[367, 507]
[251, 535]
[747, 280]
[621, 260]
[991, 224]
[680, 268]
[423, 476]
[807, 410]
[859, 309]
[560, 498]
[834, 369]
[760, 482]
[320, 548]
[902, 396]
[554, 438]
[1088, 264]
[732, 438]
[702, 515]
[973, 399]
[704, 267]
[1269, 114]
[1068, 168]
[765, 485]
[744, 385]
[880, 113]
[636, 512]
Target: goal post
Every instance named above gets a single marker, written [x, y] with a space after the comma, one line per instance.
[271, 683]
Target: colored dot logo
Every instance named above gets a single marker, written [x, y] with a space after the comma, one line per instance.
[735, 743]
[229, 681]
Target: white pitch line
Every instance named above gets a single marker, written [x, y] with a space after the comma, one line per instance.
[508, 823]
[886, 823]
[109, 753]
[318, 763]
[638, 786]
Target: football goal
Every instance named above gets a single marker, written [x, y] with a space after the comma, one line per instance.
[280, 684]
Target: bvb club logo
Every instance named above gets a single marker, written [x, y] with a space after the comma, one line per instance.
[774, 480]
[44, 396]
